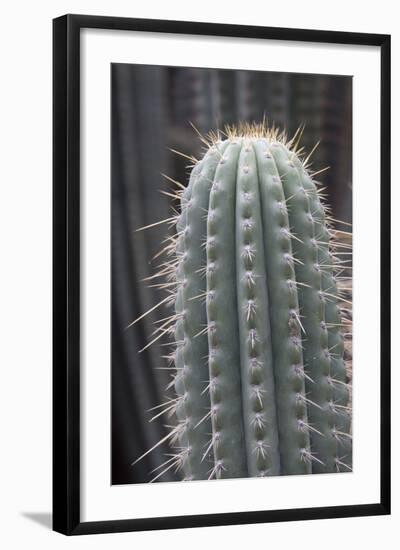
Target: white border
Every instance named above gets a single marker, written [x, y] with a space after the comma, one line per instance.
[100, 500]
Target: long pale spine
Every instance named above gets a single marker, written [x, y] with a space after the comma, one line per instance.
[317, 356]
[258, 392]
[223, 330]
[294, 441]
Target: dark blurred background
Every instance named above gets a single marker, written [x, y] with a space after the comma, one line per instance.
[151, 110]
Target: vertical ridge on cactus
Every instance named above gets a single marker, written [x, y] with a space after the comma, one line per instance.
[260, 377]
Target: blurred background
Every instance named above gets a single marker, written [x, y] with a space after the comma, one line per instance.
[151, 110]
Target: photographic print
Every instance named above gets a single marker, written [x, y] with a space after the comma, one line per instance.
[221, 220]
[231, 257]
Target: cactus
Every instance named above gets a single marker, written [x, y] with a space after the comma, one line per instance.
[259, 374]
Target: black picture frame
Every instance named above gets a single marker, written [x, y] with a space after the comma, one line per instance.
[66, 273]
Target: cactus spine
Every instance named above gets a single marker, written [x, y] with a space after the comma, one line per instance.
[260, 379]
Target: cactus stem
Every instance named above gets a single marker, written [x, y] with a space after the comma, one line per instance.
[237, 229]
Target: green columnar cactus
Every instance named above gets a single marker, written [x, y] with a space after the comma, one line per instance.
[260, 378]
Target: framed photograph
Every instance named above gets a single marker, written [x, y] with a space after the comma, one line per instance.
[221, 274]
